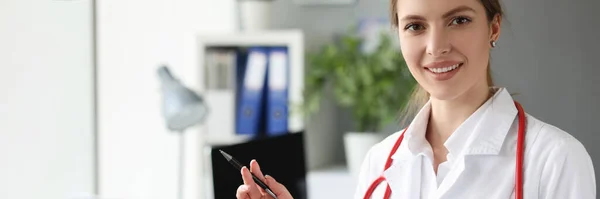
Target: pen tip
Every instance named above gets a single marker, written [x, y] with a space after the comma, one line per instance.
[227, 156]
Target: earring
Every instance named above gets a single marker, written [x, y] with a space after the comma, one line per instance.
[493, 43]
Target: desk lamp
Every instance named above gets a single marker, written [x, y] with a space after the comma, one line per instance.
[181, 108]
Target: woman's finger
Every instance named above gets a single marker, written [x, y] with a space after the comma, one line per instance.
[242, 192]
[277, 188]
[247, 177]
[255, 168]
[252, 192]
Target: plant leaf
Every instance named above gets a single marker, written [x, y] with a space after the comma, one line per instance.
[375, 85]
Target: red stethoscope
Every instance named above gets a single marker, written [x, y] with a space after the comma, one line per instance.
[519, 163]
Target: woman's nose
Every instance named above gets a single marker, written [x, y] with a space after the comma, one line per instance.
[438, 43]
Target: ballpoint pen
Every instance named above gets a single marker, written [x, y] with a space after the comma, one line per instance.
[239, 166]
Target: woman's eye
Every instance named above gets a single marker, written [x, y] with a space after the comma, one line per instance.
[413, 27]
[460, 20]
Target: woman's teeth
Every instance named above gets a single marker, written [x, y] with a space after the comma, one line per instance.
[445, 69]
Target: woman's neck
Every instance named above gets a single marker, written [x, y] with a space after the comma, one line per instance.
[447, 115]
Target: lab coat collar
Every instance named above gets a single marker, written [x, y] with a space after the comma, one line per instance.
[491, 131]
[493, 122]
[415, 134]
[462, 138]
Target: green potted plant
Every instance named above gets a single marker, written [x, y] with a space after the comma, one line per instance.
[374, 86]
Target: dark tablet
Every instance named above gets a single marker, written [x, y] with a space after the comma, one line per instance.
[282, 157]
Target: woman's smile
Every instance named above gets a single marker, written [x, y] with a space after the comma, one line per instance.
[443, 70]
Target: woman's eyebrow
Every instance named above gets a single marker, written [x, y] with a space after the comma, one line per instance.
[446, 15]
[413, 17]
[457, 10]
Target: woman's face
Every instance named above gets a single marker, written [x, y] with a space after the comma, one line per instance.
[446, 44]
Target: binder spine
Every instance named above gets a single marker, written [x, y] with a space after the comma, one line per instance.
[249, 108]
[278, 83]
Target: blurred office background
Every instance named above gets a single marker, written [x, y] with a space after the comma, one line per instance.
[80, 99]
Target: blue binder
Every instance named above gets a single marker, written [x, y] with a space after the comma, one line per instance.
[252, 89]
[278, 84]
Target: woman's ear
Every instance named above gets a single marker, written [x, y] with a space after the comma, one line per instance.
[495, 28]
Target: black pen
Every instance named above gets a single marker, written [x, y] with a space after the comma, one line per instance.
[239, 166]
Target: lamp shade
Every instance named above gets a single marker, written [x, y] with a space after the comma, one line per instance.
[181, 107]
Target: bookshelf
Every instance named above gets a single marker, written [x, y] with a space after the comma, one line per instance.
[218, 128]
[292, 39]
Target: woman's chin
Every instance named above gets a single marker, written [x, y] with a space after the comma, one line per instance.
[443, 94]
[443, 97]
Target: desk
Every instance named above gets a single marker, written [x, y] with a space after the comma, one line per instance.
[331, 182]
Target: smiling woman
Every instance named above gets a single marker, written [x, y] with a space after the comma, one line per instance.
[468, 138]
[458, 39]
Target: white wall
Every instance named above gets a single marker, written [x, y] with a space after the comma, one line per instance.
[46, 99]
[138, 155]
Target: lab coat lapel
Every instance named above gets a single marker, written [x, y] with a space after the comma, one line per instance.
[487, 138]
[404, 175]
[451, 178]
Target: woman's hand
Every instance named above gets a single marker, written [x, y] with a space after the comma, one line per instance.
[250, 190]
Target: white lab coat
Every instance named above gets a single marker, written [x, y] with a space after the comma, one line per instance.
[481, 160]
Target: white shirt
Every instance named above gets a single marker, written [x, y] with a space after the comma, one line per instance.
[481, 159]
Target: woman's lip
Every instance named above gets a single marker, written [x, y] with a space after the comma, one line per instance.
[441, 64]
[443, 76]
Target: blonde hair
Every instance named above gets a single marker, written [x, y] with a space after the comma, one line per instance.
[419, 95]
